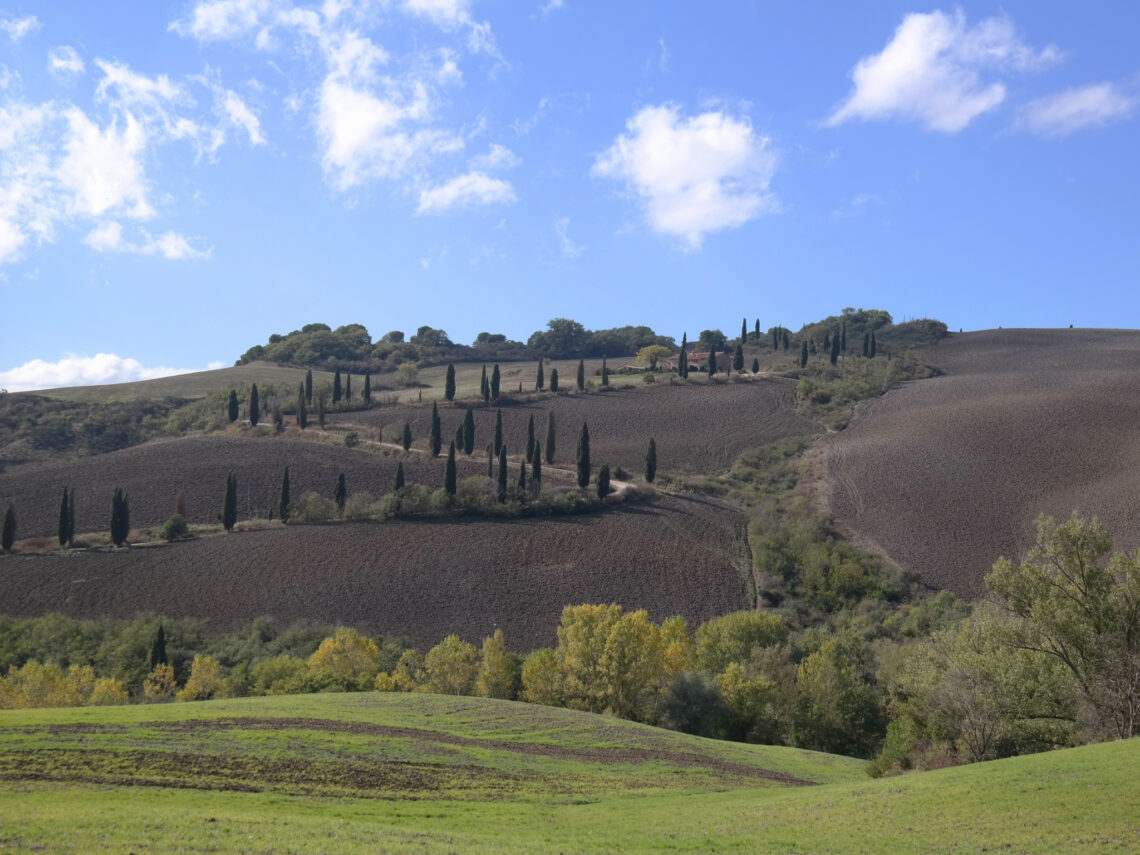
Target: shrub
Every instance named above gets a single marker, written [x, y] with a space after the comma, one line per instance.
[351, 439]
[174, 528]
[315, 508]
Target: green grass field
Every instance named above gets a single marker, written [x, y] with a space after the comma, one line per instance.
[420, 773]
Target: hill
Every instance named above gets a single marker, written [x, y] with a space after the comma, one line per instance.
[369, 772]
[945, 475]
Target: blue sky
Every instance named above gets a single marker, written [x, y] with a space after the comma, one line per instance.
[179, 180]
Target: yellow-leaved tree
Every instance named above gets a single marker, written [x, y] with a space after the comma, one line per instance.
[347, 660]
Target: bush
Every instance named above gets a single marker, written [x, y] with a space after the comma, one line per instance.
[351, 439]
[315, 508]
[174, 528]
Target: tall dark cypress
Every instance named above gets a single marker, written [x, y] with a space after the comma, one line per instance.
[367, 388]
[536, 464]
[449, 383]
[340, 494]
[743, 330]
[775, 338]
[484, 389]
[712, 361]
[64, 517]
[553, 379]
[835, 346]
[435, 442]
[584, 457]
[309, 386]
[803, 353]
[232, 410]
[787, 340]
[8, 536]
[540, 383]
[254, 407]
[755, 365]
[449, 471]
[530, 439]
[550, 437]
[683, 362]
[120, 517]
[502, 480]
[651, 461]
[843, 340]
[399, 484]
[158, 649]
[337, 387]
[71, 516]
[469, 432]
[407, 436]
[522, 481]
[302, 413]
[284, 501]
[604, 481]
[757, 335]
[348, 386]
[874, 347]
[581, 375]
[498, 431]
[496, 380]
[605, 373]
[229, 503]
[321, 410]
[866, 344]
[490, 461]
[738, 358]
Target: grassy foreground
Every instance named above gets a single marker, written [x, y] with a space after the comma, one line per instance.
[416, 773]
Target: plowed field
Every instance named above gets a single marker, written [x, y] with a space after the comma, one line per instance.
[419, 580]
[946, 475]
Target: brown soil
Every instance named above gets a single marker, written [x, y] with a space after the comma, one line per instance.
[946, 475]
[418, 580]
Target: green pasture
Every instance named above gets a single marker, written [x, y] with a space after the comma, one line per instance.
[421, 773]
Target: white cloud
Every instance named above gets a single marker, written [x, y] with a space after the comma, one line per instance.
[63, 61]
[856, 206]
[497, 157]
[931, 72]
[693, 175]
[1073, 109]
[473, 188]
[522, 127]
[108, 237]
[74, 370]
[214, 20]
[550, 6]
[102, 170]
[569, 248]
[17, 28]
[444, 12]
[238, 113]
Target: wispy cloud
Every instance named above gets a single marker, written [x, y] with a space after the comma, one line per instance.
[939, 72]
[693, 176]
[76, 370]
[17, 28]
[64, 61]
[464, 191]
[856, 206]
[549, 7]
[1073, 109]
[568, 247]
[108, 237]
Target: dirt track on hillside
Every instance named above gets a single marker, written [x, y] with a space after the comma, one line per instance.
[946, 475]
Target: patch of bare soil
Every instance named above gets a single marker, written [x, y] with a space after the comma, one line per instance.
[945, 475]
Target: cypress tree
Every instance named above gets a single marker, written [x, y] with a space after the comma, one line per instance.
[530, 439]
[503, 474]
[233, 411]
[407, 436]
[843, 340]
[399, 485]
[738, 358]
[449, 383]
[302, 413]
[490, 461]
[540, 383]
[712, 362]
[229, 503]
[336, 387]
[755, 366]
[866, 344]
[436, 439]
[484, 390]
[71, 516]
[522, 481]
[459, 437]
[757, 334]
[64, 516]
[835, 345]
[803, 353]
[536, 464]
[158, 649]
[321, 410]
[827, 340]
[449, 471]
[254, 409]
[368, 388]
[874, 347]
[787, 340]
[340, 494]
[683, 362]
[498, 431]
[775, 338]
[309, 386]
[581, 375]
[553, 379]
[651, 461]
[469, 432]
[604, 481]
[120, 517]
[605, 373]
[550, 437]
[584, 457]
[284, 502]
[743, 330]
[348, 386]
[8, 536]
[496, 380]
